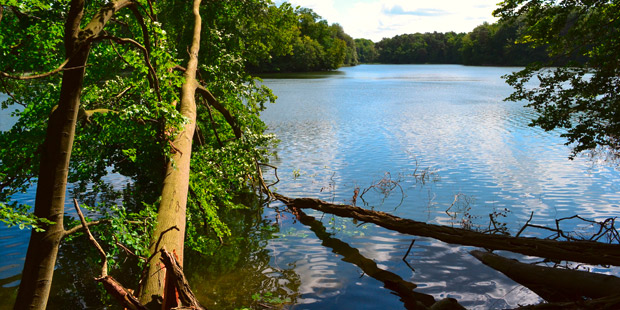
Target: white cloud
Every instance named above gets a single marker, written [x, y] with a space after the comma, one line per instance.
[374, 19]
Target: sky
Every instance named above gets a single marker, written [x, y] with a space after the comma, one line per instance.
[378, 19]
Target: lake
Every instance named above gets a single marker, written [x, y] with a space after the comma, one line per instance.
[360, 125]
[434, 143]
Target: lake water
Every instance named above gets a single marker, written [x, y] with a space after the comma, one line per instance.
[425, 139]
[353, 127]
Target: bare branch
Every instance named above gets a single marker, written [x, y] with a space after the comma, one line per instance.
[10, 94]
[77, 228]
[104, 264]
[275, 172]
[578, 251]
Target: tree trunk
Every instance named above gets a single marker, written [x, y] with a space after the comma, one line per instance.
[553, 284]
[172, 207]
[55, 154]
[578, 251]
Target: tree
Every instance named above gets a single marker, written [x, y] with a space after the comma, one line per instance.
[580, 95]
[123, 117]
[55, 151]
[311, 43]
[366, 51]
[173, 202]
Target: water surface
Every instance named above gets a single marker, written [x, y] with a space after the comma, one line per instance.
[370, 123]
[441, 133]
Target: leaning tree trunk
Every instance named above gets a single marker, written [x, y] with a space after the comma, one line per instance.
[55, 154]
[170, 229]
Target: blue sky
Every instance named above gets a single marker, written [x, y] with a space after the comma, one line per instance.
[376, 19]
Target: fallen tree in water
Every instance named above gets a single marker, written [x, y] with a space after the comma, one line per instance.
[553, 284]
[577, 251]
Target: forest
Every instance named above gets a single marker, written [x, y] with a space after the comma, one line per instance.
[163, 93]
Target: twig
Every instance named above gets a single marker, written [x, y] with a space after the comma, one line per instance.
[275, 172]
[409, 250]
[205, 93]
[261, 180]
[127, 250]
[526, 224]
[37, 76]
[8, 92]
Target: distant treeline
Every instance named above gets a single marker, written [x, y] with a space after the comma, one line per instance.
[306, 42]
[487, 44]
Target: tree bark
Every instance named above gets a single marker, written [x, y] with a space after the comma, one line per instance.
[553, 284]
[55, 154]
[186, 296]
[173, 203]
[577, 251]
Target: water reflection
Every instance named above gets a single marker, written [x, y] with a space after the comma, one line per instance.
[240, 272]
[351, 255]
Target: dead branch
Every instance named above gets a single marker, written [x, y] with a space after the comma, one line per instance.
[113, 287]
[275, 172]
[77, 228]
[605, 303]
[606, 228]
[186, 296]
[104, 264]
[578, 251]
[261, 180]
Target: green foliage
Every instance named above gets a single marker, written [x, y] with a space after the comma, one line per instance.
[487, 44]
[312, 44]
[366, 51]
[128, 116]
[269, 298]
[17, 215]
[581, 95]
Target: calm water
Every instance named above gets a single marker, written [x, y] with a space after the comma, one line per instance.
[348, 129]
[371, 125]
